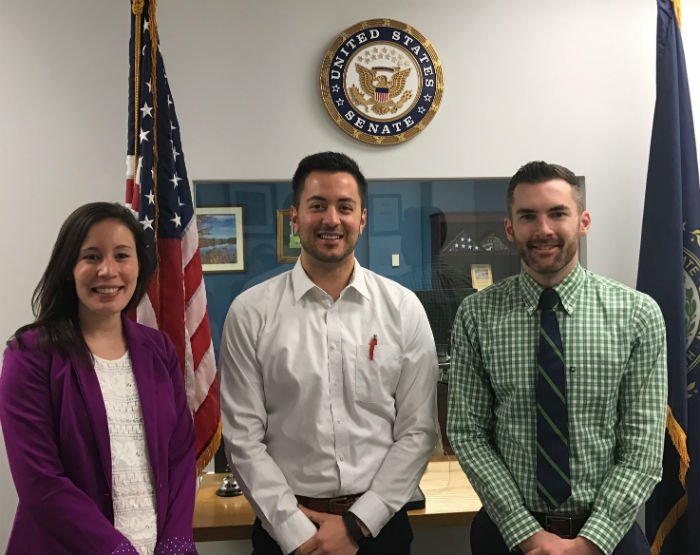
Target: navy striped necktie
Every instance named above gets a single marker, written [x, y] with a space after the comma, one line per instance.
[553, 472]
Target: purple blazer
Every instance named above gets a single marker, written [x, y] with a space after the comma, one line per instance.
[55, 427]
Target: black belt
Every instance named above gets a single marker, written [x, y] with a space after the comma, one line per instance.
[332, 505]
[563, 526]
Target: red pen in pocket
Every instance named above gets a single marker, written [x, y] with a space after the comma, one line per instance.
[372, 345]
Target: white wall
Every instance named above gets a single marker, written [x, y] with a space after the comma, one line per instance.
[562, 80]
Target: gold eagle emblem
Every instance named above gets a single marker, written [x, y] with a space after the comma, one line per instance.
[379, 91]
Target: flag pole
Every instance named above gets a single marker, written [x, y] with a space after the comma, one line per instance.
[153, 31]
[137, 10]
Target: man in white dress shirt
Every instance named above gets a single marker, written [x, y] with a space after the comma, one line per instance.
[328, 376]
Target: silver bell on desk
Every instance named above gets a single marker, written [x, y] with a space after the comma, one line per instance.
[229, 487]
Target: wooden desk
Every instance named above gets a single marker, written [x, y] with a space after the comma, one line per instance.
[449, 501]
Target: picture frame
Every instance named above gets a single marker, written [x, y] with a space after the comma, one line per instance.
[288, 244]
[385, 214]
[221, 241]
[482, 276]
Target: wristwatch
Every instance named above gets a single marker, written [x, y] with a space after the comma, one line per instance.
[352, 523]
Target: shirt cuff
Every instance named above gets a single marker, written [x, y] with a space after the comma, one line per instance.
[517, 527]
[293, 532]
[175, 546]
[124, 548]
[602, 531]
[372, 511]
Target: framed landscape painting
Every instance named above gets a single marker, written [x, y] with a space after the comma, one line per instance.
[221, 245]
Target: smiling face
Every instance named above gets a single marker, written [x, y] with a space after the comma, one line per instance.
[106, 271]
[545, 225]
[329, 219]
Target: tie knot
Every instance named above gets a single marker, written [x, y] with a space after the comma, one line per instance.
[548, 299]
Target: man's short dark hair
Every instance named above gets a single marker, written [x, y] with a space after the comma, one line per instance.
[330, 162]
[536, 172]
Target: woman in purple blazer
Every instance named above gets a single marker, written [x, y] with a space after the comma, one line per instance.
[98, 433]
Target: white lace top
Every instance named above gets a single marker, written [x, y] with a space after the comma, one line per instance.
[133, 496]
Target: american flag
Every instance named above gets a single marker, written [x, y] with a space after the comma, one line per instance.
[158, 192]
[381, 94]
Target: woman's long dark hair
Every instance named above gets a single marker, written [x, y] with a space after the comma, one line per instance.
[55, 301]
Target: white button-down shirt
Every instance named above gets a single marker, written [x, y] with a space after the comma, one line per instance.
[310, 408]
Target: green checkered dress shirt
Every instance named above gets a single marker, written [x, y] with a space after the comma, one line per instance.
[615, 352]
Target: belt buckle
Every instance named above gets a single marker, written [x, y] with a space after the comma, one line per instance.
[559, 525]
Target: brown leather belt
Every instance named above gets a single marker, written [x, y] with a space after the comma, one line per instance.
[564, 526]
[332, 505]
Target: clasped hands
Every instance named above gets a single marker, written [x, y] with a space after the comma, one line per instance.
[546, 543]
[331, 538]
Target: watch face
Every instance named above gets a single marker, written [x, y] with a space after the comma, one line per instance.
[381, 81]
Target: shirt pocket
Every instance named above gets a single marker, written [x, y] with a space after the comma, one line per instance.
[593, 381]
[376, 376]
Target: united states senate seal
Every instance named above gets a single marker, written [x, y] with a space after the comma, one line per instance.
[381, 81]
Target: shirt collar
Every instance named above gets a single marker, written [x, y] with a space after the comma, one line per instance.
[567, 290]
[302, 284]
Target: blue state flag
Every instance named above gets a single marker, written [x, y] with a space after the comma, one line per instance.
[669, 270]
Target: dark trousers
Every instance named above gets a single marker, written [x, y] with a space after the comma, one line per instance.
[487, 540]
[394, 538]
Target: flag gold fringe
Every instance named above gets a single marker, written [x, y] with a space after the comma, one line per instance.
[668, 523]
[677, 9]
[678, 438]
[209, 451]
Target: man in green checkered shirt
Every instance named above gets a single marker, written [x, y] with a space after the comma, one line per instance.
[614, 353]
